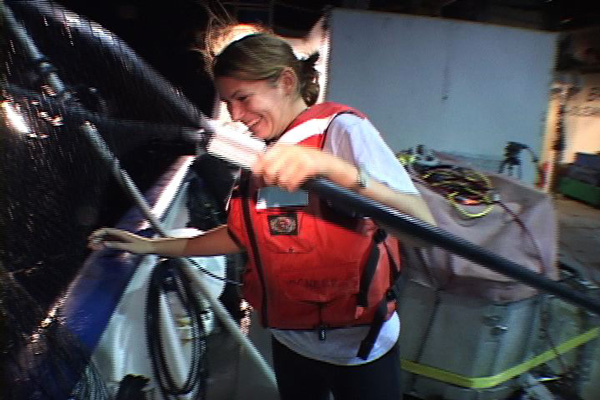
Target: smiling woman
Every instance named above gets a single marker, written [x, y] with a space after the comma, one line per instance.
[265, 107]
[265, 95]
[318, 278]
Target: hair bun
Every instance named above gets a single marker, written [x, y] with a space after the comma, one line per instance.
[310, 61]
[309, 86]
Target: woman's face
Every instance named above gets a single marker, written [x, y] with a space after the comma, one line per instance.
[264, 107]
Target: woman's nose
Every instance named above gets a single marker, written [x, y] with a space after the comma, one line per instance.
[236, 111]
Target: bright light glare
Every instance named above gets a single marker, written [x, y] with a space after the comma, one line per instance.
[14, 118]
[231, 34]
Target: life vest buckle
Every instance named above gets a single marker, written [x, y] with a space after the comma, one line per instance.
[322, 332]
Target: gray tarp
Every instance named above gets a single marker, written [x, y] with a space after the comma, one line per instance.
[530, 240]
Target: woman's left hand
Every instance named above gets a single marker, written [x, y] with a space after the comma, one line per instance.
[289, 166]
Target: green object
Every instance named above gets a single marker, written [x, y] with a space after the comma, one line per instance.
[580, 190]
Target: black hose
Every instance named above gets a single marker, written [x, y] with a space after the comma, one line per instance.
[168, 276]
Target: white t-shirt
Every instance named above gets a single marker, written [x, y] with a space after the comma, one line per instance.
[357, 141]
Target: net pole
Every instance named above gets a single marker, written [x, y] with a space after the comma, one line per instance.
[350, 200]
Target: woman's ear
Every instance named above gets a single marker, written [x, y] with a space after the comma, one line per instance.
[288, 80]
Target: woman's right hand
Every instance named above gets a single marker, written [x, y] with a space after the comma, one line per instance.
[120, 240]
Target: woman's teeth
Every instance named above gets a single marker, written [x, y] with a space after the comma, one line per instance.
[252, 123]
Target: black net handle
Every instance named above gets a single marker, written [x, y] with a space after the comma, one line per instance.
[346, 199]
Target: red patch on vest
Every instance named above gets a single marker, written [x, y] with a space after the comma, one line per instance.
[283, 224]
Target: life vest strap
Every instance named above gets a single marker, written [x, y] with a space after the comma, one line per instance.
[392, 294]
[370, 268]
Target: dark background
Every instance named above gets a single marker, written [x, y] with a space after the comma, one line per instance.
[168, 34]
[164, 33]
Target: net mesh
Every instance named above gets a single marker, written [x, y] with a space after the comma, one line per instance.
[55, 188]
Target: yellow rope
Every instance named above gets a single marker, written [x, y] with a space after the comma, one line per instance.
[464, 212]
[494, 380]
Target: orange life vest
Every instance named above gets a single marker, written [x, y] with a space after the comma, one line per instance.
[311, 267]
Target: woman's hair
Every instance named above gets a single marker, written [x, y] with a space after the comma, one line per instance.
[263, 56]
